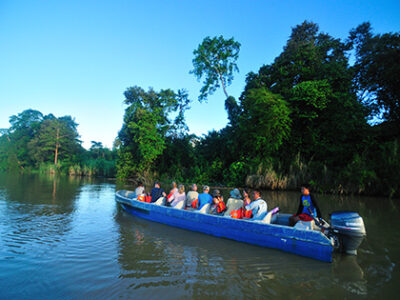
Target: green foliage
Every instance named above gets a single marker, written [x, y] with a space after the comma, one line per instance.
[55, 136]
[309, 98]
[215, 60]
[233, 109]
[313, 75]
[146, 125]
[377, 70]
[299, 119]
[264, 121]
[358, 177]
[236, 174]
[32, 141]
[384, 160]
[24, 127]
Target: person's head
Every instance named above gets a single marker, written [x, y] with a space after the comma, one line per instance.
[256, 194]
[140, 183]
[235, 193]
[246, 193]
[181, 189]
[206, 189]
[157, 184]
[305, 189]
[173, 184]
[194, 187]
[216, 194]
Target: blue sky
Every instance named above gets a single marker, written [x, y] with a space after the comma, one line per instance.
[78, 57]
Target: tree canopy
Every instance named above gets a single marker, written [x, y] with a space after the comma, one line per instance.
[377, 70]
[44, 142]
[146, 124]
[215, 60]
[308, 116]
[302, 117]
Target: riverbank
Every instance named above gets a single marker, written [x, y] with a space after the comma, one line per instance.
[321, 179]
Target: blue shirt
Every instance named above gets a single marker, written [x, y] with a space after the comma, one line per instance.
[204, 198]
[307, 204]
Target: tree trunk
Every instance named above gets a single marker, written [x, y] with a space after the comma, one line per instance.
[219, 73]
[223, 85]
[57, 145]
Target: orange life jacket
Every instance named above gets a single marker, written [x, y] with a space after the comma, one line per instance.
[221, 207]
[247, 214]
[237, 214]
[194, 203]
[140, 198]
[147, 199]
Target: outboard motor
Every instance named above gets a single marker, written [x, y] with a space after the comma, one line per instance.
[349, 229]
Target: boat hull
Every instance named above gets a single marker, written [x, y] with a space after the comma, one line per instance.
[307, 243]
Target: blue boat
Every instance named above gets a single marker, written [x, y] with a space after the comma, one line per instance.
[278, 235]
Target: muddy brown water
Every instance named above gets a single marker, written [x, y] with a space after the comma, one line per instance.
[67, 238]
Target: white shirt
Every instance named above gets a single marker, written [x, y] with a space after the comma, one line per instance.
[258, 207]
[139, 190]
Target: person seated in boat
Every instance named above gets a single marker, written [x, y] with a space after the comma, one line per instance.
[258, 207]
[218, 206]
[246, 201]
[140, 189]
[308, 207]
[157, 192]
[205, 197]
[192, 195]
[173, 190]
[246, 197]
[235, 194]
[178, 199]
[234, 203]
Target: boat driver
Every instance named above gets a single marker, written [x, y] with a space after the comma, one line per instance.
[308, 207]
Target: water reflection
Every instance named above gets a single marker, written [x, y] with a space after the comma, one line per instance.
[56, 237]
[157, 256]
[350, 275]
[35, 210]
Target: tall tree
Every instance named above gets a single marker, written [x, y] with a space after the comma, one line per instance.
[33, 138]
[377, 70]
[146, 124]
[313, 75]
[56, 137]
[24, 127]
[215, 59]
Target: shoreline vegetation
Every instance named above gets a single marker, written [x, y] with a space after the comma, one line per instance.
[309, 116]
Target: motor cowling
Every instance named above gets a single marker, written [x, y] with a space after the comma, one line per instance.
[349, 229]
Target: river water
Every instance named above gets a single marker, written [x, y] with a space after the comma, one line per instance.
[67, 238]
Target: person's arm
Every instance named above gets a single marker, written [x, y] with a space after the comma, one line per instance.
[251, 205]
[314, 201]
[171, 198]
[300, 209]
